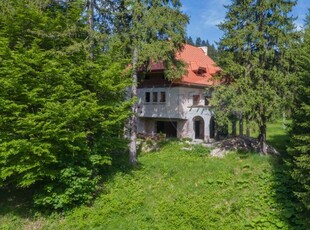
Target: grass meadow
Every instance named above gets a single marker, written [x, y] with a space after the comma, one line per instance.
[175, 188]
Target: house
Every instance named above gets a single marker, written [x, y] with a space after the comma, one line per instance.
[178, 108]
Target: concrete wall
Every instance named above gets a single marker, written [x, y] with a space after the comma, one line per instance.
[178, 107]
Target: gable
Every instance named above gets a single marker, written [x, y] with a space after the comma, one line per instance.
[200, 68]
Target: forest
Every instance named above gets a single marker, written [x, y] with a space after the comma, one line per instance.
[68, 109]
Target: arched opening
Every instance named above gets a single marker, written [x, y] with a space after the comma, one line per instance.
[212, 127]
[199, 127]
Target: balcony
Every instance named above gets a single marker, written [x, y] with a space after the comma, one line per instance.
[158, 110]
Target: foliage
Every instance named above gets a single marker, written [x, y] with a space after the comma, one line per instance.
[176, 188]
[156, 29]
[189, 40]
[153, 31]
[300, 132]
[257, 62]
[60, 111]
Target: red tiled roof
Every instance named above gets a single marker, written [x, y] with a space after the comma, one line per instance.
[157, 66]
[197, 59]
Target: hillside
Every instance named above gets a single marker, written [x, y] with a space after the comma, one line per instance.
[180, 189]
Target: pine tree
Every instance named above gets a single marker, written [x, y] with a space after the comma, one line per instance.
[254, 53]
[198, 41]
[300, 132]
[190, 41]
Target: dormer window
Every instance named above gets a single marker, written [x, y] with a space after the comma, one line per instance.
[201, 70]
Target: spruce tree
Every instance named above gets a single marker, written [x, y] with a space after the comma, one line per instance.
[152, 31]
[300, 128]
[198, 41]
[254, 53]
[190, 41]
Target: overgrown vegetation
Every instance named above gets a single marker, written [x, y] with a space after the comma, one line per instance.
[65, 88]
[177, 188]
[60, 110]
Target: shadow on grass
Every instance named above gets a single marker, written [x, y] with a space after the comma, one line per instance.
[279, 142]
[17, 203]
[284, 185]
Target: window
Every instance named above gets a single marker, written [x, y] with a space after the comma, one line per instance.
[196, 99]
[201, 70]
[147, 77]
[155, 96]
[162, 97]
[147, 97]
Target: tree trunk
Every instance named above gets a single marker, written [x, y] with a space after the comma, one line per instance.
[262, 137]
[127, 122]
[284, 120]
[133, 117]
[241, 125]
[247, 124]
[233, 128]
[90, 11]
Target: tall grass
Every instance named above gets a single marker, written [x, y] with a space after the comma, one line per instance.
[176, 188]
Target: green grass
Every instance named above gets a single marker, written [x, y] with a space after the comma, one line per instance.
[277, 134]
[179, 189]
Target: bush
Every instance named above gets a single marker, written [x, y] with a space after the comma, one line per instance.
[74, 186]
[60, 111]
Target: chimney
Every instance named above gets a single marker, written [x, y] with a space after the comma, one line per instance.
[204, 49]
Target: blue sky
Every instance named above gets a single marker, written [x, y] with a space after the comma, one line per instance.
[206, 14]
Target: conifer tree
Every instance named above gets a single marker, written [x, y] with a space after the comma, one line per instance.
[300, 132]
[198, 41]
[254, 53]
[154, 30]
[190, 41]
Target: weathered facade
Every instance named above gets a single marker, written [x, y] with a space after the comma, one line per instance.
[179, 108]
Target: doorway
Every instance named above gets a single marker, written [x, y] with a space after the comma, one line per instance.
[198, 127]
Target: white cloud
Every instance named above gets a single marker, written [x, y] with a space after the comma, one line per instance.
[211, 18]
[214, 12]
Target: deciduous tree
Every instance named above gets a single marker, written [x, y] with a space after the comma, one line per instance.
[61, 111]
